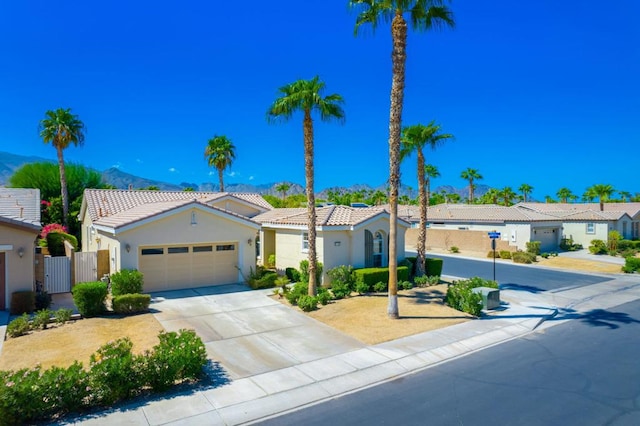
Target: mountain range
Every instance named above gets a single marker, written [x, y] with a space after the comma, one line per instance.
[9, 163]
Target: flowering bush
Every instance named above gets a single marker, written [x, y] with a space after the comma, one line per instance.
[52, 227]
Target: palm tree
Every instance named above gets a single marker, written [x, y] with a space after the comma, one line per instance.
[471, 175]
[603, 192]
[564, 194]
[526, 190]
[307, 96]
[491, 196]
[624, 196]
[415, 139]
[430, 171]
[507, 195]
[283, 188]
[424, 15]
[220, 153]
[62, 128]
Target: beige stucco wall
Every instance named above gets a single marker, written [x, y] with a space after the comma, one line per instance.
[237, 207]
[19, 271]
[578, 231]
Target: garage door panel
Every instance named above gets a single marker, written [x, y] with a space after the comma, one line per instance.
[152, 265]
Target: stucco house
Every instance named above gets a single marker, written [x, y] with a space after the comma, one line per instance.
[19, 228]
[176, 239]
[345, 236]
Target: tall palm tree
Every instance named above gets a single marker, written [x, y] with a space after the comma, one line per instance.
[624, 196]
[603, 192]
[507, 195]
[564, 194]
[424, 15]
[471, 175]
[491, 196]
[283, 188]
[307, 96]
[430, 172]
[414, 139]
[526, 190]
[220, 153]
[62, 128]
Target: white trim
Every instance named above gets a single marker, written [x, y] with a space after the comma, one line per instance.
[302, 248]
[6, 247]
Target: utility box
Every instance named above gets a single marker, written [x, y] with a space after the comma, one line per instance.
[490, 297]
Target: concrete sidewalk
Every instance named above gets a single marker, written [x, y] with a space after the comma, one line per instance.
[249, 397]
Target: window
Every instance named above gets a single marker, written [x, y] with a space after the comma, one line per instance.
[305, 241]
[225, 247]
[377, 250]
[591, 228]
[202, 249]
[176, 250]
[152, 251]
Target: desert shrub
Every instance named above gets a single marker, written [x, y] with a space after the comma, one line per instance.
[126, 281]
[55, 243]
[19, 326]
[271, 261]
[505, 254]
[22, 302]
[42, 300]
[613, 238]
[308, 303]
[624, 245]
[293, 274]
[598, 247]
[299, 289]
[454, 249]
[533, 247]
[323, 296]
[631, 264]
[362, 287]
[131, 303]
[523, 257]
[461, 297]
[426, 281]
[433, 267]
[567, 244]
[113, 375]
[380, 286]
[89, 298]
[282, 281]
[41, 319]
[493, 253]
[267, 279]
[371, 276]
[405, 285]
[62, 315]
[342, 281]
[341, 290]
[544, 255]
[304, 271]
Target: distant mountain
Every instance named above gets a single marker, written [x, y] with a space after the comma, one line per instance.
[9, 163]
[122, 180]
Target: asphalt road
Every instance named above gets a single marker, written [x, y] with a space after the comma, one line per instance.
[517, 277]
[582, 372]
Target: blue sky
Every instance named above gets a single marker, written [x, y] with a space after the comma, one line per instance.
[544, 93]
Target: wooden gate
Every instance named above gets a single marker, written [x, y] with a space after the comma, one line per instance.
[57, 274]
[86, 267]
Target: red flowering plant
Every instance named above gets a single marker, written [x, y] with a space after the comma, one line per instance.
[52, 227]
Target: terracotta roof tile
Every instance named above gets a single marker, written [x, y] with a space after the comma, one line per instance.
[20, 206]
[325, 216]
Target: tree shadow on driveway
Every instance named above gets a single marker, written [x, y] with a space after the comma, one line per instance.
[596, 317]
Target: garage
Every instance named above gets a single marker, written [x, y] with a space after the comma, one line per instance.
[548, 238]
[181, 266]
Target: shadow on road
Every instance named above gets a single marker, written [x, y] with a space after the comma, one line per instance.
[597, 317]
[520, 287]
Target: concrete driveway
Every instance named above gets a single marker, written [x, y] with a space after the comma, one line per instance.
[246, 331]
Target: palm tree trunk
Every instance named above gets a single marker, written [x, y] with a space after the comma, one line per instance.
[398, 59]
[422, 230]
[64, 191]
[220, 176]
[307, 129]
[470, 191]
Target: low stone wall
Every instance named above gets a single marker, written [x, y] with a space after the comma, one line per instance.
[465, 240]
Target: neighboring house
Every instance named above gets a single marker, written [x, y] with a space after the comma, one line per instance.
[19, 229]
[176, 239]
[345, 236]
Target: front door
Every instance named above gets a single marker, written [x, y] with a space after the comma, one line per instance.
[3, 290]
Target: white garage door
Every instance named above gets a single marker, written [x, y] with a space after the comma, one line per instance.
[548, 238]
[185, 266]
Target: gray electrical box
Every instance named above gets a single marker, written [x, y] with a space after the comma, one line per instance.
[490, 297]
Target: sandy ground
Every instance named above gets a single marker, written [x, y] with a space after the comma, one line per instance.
[579, 264]
[77, 340]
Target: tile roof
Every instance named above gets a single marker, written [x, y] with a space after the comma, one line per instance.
[474, 213]
[611, 211]
[326, 216]
[101, 203]
[20, 206]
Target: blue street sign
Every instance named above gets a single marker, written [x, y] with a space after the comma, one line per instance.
[494, 235]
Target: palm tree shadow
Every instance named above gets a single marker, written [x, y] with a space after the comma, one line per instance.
[597, 317]
[520, 287]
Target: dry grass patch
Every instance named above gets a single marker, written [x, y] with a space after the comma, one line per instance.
[579, 264]
[76, 341]
[365, 317]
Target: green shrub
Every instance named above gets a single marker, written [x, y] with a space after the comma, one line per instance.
[131, 303]
[493, 253]
[304, 271]
[271, 261]
[598, 247]
[405, 285]
[340, 290]
[371, 276]
[505, 254]
[19, 326]
[409, 264]
[126, 281]
[293, 274]
[461, 297]
[308, 303]
[268, 280]
[22, 302]
[42, 300]
[342, 281]
[113, 375]
[631, 264]
[454, 249]
[41, 319]
[523, 257]
[55, 243]
[545, 255]
[281, 281]
[533, 247]
[426, 281]
[323, 296]
[89, 298]
[380, 287]
[362, 287]
[299, 289]
[613, 238]
[433, 267]
[62, 315]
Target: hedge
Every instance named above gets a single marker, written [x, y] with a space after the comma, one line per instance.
[371, 276]
[22, 302]
[89, 298]
[433, 267]
[267, 280]
[126, 281]
[55, 242]
[631, 264]
[293, 274]
[461, 297]
[130, 303]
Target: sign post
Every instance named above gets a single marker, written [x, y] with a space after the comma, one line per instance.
[494, 236]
